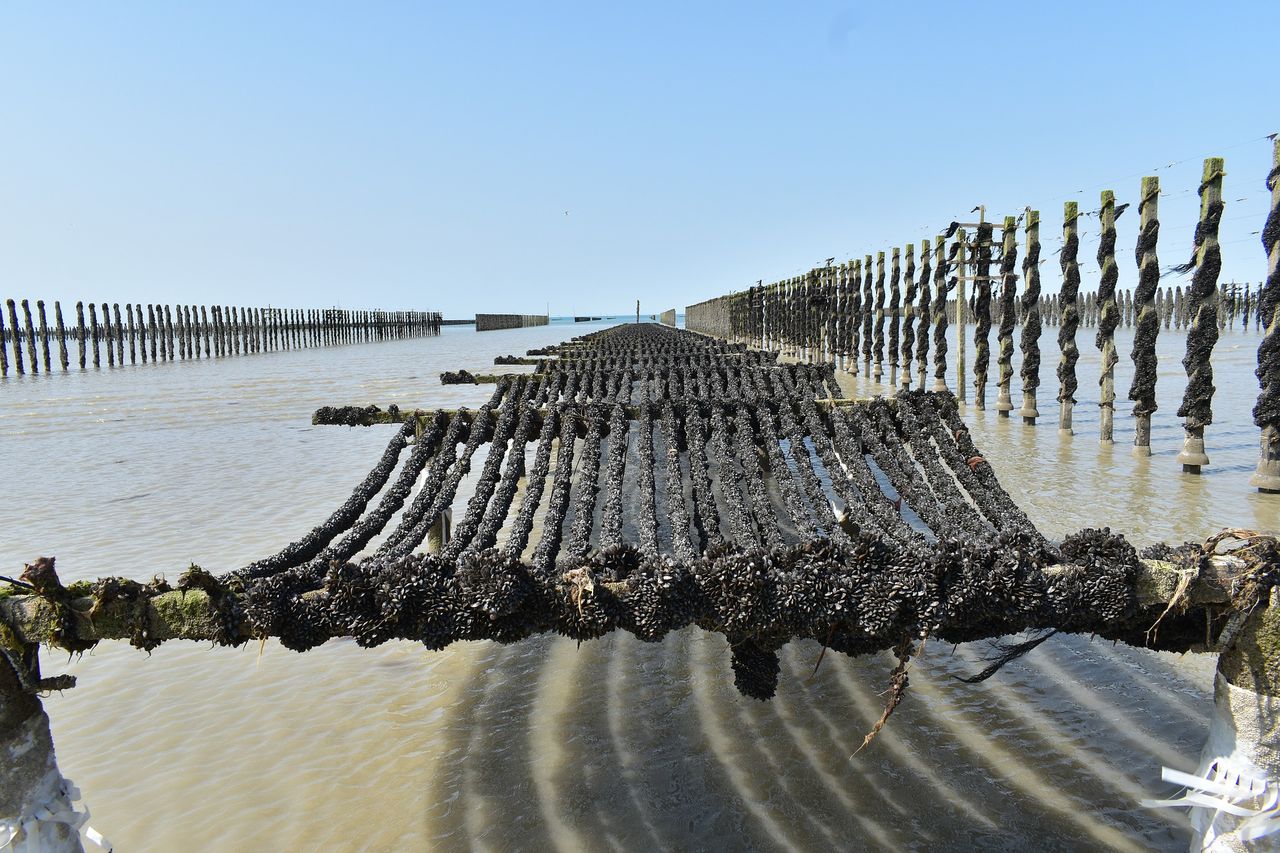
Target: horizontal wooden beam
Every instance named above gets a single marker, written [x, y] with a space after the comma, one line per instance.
[192, 615]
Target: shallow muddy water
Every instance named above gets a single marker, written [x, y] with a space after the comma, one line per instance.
[615, 744]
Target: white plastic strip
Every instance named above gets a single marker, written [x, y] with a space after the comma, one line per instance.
[16, 833]
[1233, 797]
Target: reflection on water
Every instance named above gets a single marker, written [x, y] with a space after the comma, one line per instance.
[616, 744]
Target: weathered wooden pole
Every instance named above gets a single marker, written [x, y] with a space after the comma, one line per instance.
[1030, 341]
[1008, 313]
[93, 328]
[142, 332]
[982, 312]
[926, 306]
[31, 336]
[1266, 412]
[44, 335]
[868, 316]
[1197, 399]
[152, 329]
[108, 335]
[168, 333]
[133, 333]
[1142, 391]
[1069, 305]
[955, 263]
[908, 314]
[895, 300]
[63, 358]
[878, 374]
[80, 333]
[855, 314]
[1108, 316]
[4, 352]
[115, 308]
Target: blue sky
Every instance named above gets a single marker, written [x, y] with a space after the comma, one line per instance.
[412, 155]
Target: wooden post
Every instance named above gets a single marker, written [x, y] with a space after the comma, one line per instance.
[31, 336]
[1008, 314]
[80, 333]
[93, 328]
[4, 355]
[44, 335]
[151, 329]
[1197, 400]
[63, 358]
[1031, 304]
[855, 315]
[108, 335]
[878, 375]
[17, 345]
[868, 317]
[981, 311]
[1069, 305]
[168, 333]
[133, 334]
[925, 311]
[940, 315]
[142, 332]
[895, 298]
[115, 308]
[908, 314]
[1266, 414]
[1142, 391]
[1108, 316]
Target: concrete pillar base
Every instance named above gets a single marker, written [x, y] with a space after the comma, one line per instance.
[1267, 476]
[1193, 458]
[1029, 412]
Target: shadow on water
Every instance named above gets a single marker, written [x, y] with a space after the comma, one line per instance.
[651, 747]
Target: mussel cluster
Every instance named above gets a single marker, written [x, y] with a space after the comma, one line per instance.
[695, 483]
[857, 598]
[457, 377]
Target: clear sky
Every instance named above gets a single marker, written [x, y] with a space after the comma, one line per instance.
[503, 157]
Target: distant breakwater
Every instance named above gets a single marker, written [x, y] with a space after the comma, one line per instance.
[181, 332]
[490, 322]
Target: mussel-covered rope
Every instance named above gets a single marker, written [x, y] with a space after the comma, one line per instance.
[298, 552]
[523, 525]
